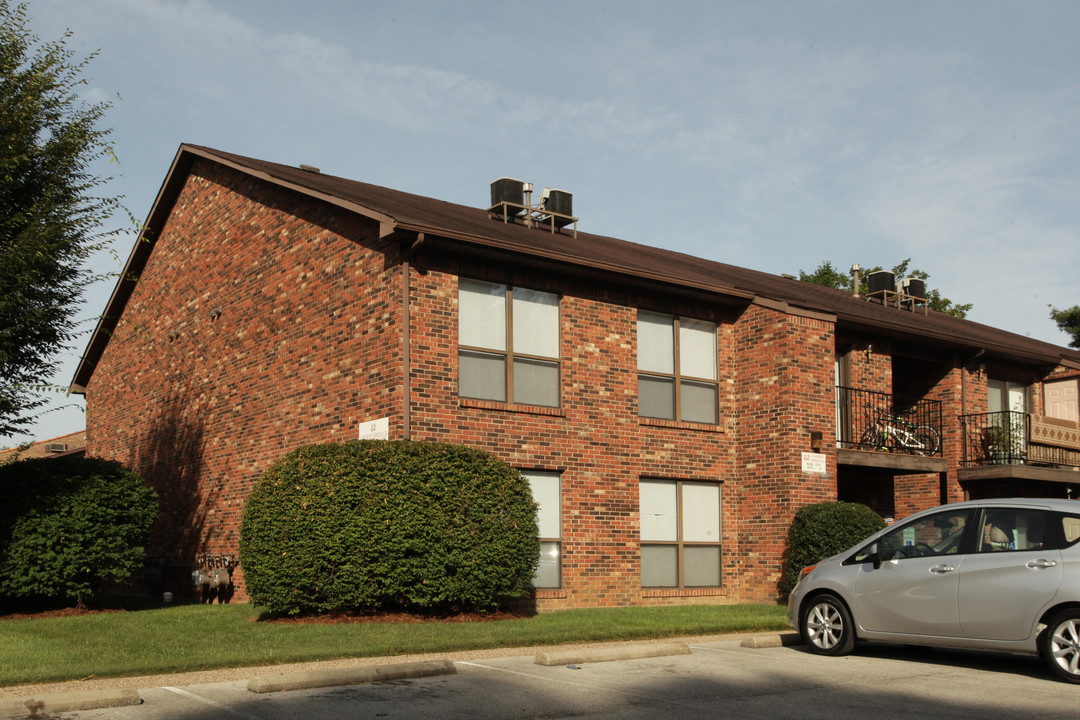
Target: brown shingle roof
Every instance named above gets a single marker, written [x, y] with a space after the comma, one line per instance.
[472, 227]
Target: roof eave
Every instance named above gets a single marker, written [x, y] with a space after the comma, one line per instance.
[569, 259]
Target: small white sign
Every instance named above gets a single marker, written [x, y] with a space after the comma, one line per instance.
[375, 429]
[813, 462]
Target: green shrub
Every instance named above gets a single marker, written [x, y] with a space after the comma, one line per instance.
[821, 530]
[388, 524]
[68, 523]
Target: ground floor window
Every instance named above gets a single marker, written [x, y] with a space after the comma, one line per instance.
[547, 492]
[680, 534]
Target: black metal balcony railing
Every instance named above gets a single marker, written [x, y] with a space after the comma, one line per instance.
[1006, 438]
[997, 438]
[881, 422]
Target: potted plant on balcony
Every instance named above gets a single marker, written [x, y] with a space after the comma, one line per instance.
[1003, 444]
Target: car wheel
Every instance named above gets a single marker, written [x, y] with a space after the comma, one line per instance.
[1059, 645]
[827, 627]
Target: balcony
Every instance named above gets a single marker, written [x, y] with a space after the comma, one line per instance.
[1018, 438]
[880, 430]
[879, 422]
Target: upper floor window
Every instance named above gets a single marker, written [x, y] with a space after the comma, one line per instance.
[508, 344]
[677, 368]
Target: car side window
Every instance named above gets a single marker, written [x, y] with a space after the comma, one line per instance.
[1010, 529]
[938, 534]
[1070, 526]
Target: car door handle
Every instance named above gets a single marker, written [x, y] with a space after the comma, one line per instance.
[942, 568]
[1042, 563]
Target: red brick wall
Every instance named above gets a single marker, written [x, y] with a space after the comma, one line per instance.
[261, 322]
[783, 389]
[595, 439]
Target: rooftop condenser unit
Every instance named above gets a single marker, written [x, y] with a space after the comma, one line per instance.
[915, 287]
[558, 202]
[881, 281]
[511, 191]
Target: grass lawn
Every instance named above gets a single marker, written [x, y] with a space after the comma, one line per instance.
[198, 637]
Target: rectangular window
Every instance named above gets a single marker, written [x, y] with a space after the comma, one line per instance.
[680, 534]
[547, 493]
[508, 344]
[677, 377]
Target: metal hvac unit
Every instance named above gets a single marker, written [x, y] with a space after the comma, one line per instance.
[881, 281]
[56, 447]
[559, 203]
[914, 287]
[511, 191]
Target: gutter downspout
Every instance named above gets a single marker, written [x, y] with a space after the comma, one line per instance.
[406, 339]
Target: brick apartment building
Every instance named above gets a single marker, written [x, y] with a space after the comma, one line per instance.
[672, 413]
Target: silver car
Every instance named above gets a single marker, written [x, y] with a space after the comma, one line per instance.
[986, 574]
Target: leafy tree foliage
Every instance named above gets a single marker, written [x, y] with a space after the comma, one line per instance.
[68, 523]
[823, 529]
[1069, 322]
[829, 276]
[388, 524]
[49, 210]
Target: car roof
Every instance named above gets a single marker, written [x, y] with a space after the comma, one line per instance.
[1019, 502]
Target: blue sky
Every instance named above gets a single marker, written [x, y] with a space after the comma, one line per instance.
[770, 135]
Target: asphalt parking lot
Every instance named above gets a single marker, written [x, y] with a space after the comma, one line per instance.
[720, 678]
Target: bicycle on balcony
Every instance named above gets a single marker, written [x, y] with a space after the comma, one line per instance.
[892, 432]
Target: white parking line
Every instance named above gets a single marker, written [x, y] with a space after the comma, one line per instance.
[212, 703]
[533, 676]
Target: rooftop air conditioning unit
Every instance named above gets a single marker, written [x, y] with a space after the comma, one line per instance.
[508, 190]
[558, 202]
[914, 287]
[56, 447]
[881, 281]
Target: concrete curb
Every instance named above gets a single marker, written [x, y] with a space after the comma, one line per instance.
[41, 705]
[577, 656]
[349, 676]
[771, 641]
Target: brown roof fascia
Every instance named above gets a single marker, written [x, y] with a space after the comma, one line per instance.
[566, 258]
[129, 277]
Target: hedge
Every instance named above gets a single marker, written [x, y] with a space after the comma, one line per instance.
[372, 524]
[822, 530]
[67, 524]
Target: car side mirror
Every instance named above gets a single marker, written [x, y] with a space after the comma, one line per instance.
[875, 556]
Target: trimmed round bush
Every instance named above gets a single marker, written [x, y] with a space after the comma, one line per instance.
[67, 524]
[824, 529]
[378, 524]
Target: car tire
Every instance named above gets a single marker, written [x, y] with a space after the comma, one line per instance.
[1059, 645]
[826, 626]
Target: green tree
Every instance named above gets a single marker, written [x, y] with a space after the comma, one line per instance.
[50, 208]
[829, 276]
[1069, 322]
